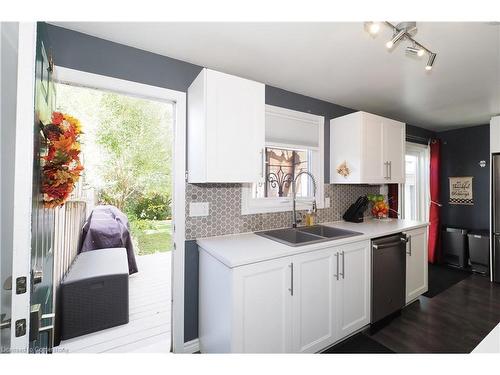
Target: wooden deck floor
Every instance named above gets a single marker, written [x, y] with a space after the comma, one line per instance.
[149, 328]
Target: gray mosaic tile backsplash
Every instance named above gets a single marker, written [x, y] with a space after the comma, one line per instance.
[225, 209]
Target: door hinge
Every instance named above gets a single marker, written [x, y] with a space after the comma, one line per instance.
[21, 285]
[186, 175]
[20, 327]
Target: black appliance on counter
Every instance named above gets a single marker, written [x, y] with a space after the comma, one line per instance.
[355, 212]
[388, 276]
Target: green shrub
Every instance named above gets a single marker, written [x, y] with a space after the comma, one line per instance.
[152, 207]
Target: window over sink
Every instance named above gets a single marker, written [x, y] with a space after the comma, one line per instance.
[294, 144]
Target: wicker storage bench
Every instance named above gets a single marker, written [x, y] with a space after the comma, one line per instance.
[94, 293]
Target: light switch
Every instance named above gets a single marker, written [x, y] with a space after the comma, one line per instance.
[198, 209]
[327, 202]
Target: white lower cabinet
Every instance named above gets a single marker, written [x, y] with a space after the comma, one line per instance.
[313, 305]
[352, 292]
[301, 303]
[262, 310]
[416, 263]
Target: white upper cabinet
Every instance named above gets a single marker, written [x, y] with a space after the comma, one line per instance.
[226, 129]
[372, 147]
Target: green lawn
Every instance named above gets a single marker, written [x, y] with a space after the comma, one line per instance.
[151, 236]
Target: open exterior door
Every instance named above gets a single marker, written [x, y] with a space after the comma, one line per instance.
[26, 227]
[42, 219]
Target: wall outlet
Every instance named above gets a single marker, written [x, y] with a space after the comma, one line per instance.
[198, 209]
[327, 202]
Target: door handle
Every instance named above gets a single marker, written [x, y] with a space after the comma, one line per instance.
[337, 256]
[386, 176]
[343, 263]
[262, 163]
[291, 279]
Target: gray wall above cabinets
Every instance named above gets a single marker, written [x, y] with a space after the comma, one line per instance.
[83, 52]
[461, 152]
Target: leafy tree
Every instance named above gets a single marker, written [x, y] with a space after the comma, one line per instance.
[135, 136]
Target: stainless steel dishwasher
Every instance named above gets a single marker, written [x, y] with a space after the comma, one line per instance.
[388, 275]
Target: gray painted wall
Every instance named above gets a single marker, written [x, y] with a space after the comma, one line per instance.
[94, 55]
[461, 152]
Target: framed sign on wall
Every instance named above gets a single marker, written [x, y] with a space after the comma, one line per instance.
[461, 190]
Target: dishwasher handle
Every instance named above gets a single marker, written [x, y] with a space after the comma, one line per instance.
[390, 244]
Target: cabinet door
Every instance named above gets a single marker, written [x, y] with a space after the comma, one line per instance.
[235, 135]
[394, 150]
[262, 307]
[374, 170]
[416, 263]
[352, 295]
[312, 302]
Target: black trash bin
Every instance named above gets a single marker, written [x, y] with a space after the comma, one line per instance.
[479, 251]
[454, 245]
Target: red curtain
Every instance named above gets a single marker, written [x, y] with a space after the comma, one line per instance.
[434, 213]
[393, 200]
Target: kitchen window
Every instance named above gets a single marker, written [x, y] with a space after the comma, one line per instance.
[294, 144]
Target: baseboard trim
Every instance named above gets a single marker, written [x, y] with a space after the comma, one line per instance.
[192, 346]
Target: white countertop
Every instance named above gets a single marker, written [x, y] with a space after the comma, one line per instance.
[239, 249]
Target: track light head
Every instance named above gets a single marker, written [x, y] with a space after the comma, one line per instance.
[430, 62]
[396, 38]
[372, 27]
[416, 51]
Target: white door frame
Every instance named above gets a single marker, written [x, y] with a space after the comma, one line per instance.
[423, 153]
[23, 180]
[105, 83]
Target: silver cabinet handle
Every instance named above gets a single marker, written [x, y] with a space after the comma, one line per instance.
[337, 256]
[291, 279]
[386, 173]
[262, 163]
[343, 264]
[390, 170]
[409, 242]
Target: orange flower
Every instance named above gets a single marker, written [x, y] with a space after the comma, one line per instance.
[57, 118]
[63, 143]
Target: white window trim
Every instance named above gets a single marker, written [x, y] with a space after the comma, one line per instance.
[423, 152]
[251, 205]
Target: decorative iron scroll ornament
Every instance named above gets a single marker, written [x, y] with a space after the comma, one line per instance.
[280, 180]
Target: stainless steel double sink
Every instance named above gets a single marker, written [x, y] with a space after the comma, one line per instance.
[307, 235]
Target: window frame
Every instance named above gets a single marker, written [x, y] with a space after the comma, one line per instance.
[250, 205]
[422, 152]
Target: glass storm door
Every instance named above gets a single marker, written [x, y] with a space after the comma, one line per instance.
[42, 219]
[415, 190]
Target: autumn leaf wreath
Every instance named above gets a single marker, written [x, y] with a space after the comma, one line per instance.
[61, 167]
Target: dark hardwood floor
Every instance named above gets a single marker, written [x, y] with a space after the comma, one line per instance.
[454, 321]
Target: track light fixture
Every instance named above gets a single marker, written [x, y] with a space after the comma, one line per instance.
[372, 27]
[396, 38]
[416, 51]
[430, 62]
[402, 31]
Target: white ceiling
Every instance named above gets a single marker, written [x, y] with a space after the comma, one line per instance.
[341, 63]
